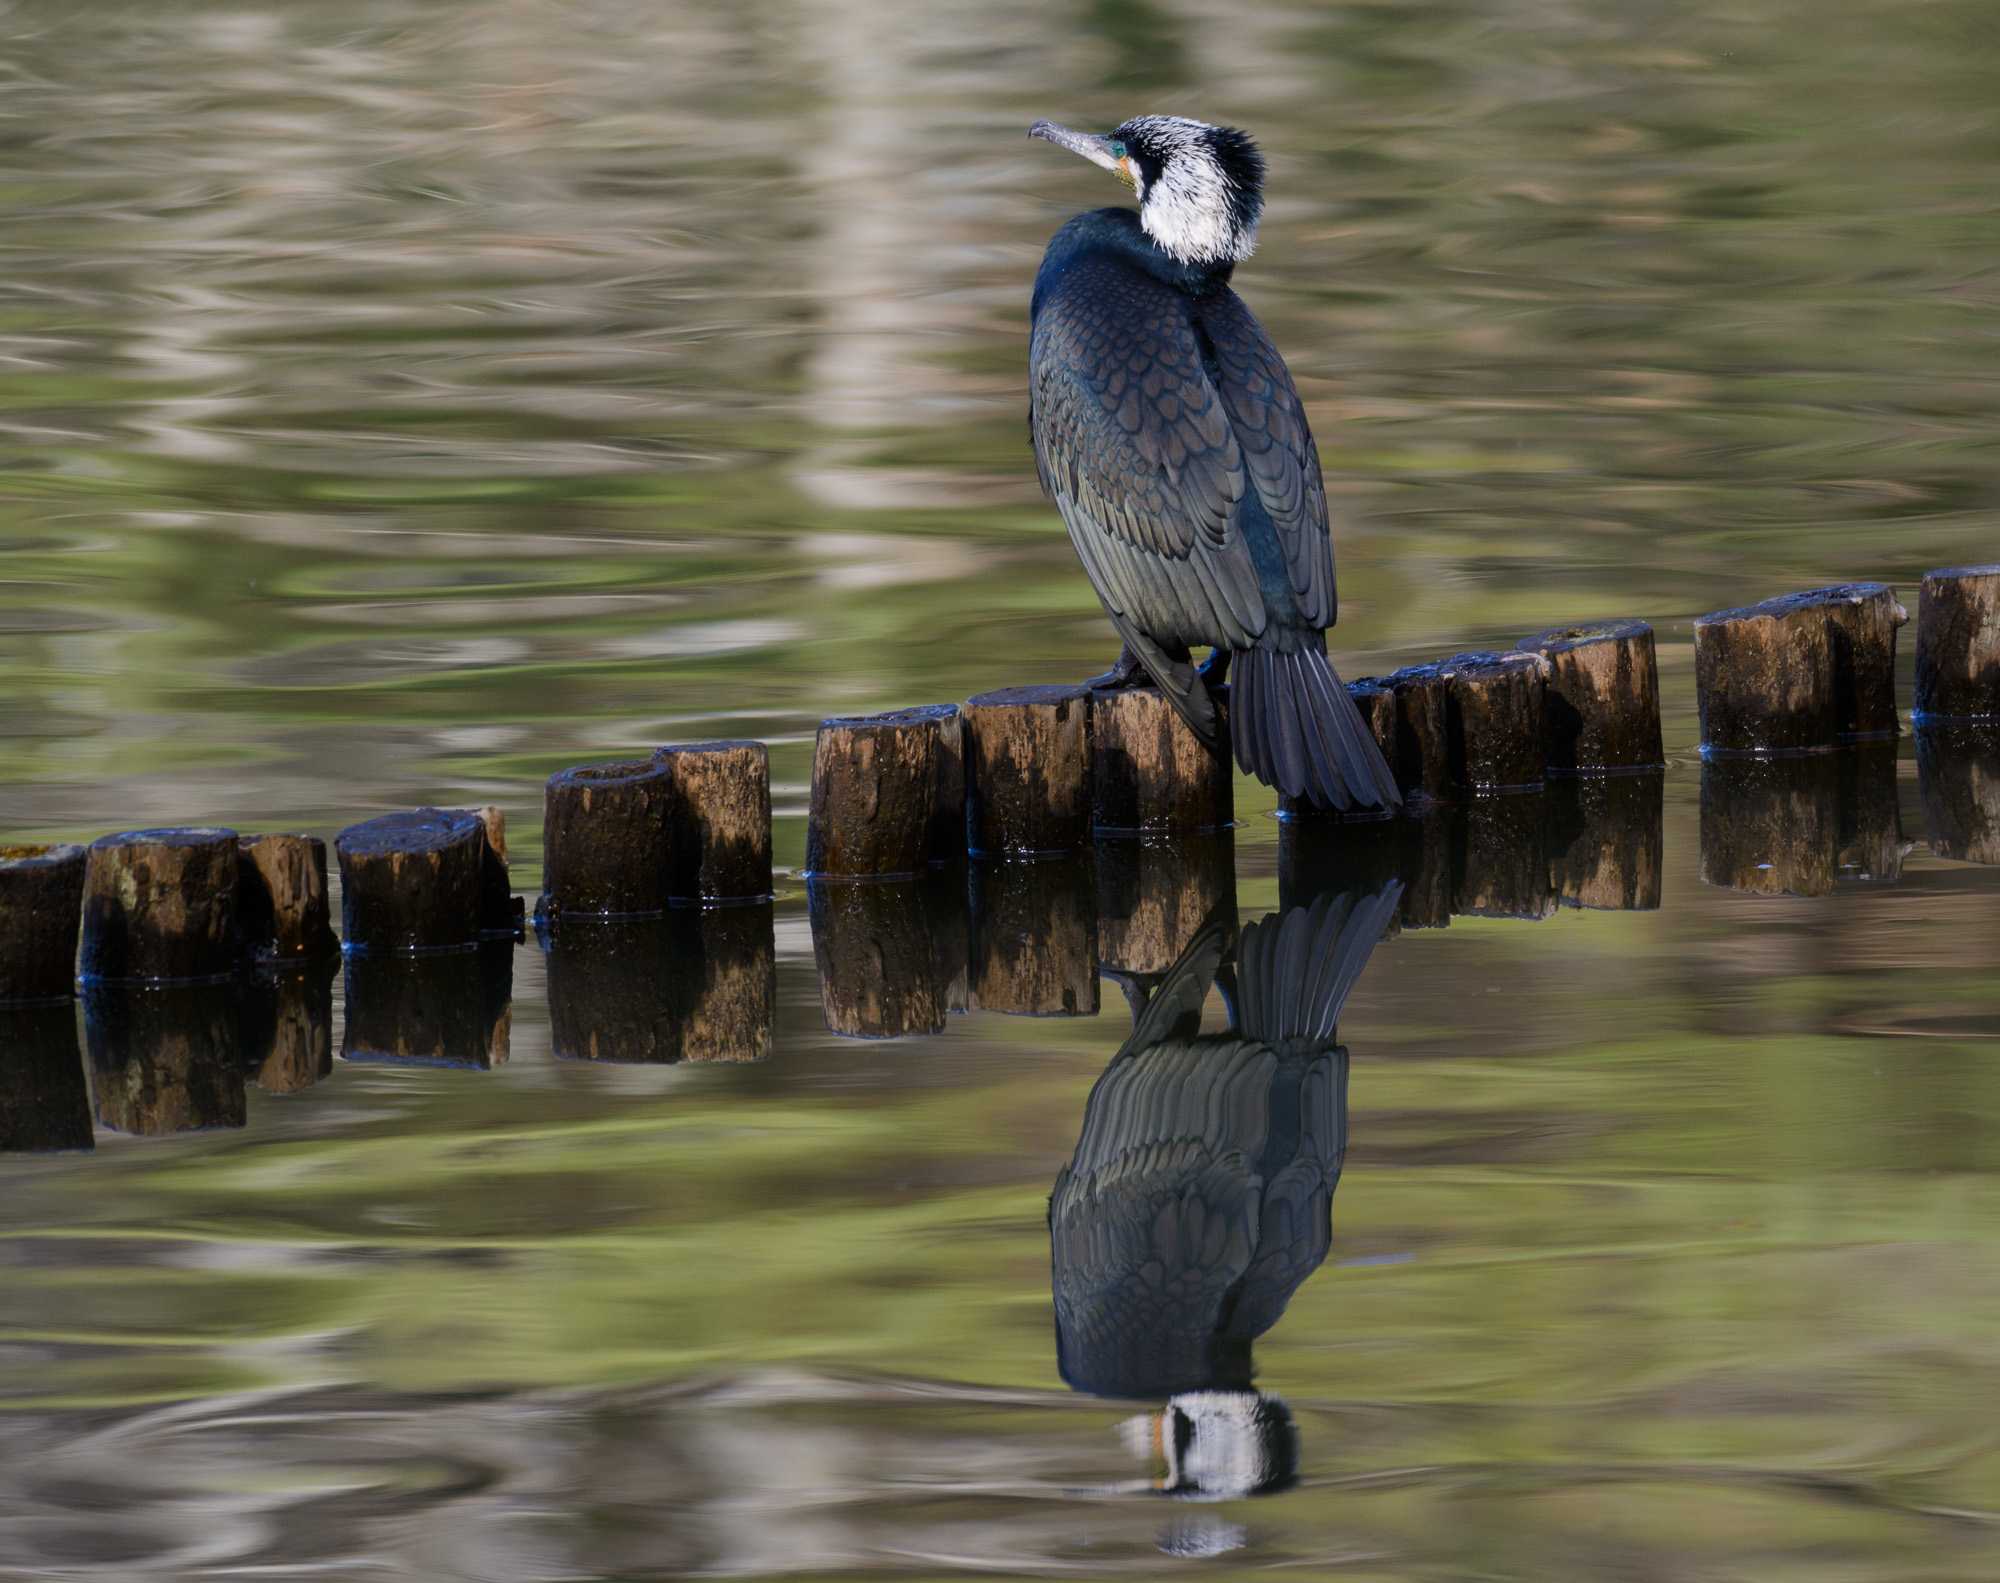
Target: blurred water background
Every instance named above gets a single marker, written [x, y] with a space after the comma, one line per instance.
[399, 402]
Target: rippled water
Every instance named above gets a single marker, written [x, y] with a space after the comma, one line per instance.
[398, 403]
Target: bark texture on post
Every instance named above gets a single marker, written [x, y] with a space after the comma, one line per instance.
[1764, 679]
[874, 796]
[411, 881]
[1034, 938]
[501, 912]
[1861, 621]
[1504, 869]
[1153, 898]
[159, 906]
[452, 1008]
[606, 839]
[1422, 753]
[1770, 826]
[44, 1100]
[41, 905]
[281, 902]
[1602, 706]
[164, 1060]
[1027, 771]
[1958, 773]
[1606, 842]
[719, 837]
[879, 973]
[945, 841]
[1496, 704]
[1958, 644]
[286, 1025]
[1149, 772]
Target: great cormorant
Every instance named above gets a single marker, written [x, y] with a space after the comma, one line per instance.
[1200, 1194]
[1169, 433]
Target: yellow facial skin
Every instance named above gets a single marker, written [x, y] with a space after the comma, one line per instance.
[1128, 173]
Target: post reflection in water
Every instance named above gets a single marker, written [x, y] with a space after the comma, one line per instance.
[1199, 1196]
[1958, 773]
[699, 984]
[286, 1026]
[1793, 826]
[447, 1008]
[44, 1100]
[165, 1059]
[892, 955]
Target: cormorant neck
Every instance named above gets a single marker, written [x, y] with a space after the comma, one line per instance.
[1119, 231]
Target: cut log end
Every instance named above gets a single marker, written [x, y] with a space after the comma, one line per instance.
[159, 906]
[719, 842]
[1496, 704]
[412, 881]
[1150, 772]
[281, 898]
[606, 840]
[875, 800]
[1797, 673]
[1958, 645]
[1028, 771]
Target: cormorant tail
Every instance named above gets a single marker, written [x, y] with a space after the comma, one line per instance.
[1295, 970]
[1296, 729]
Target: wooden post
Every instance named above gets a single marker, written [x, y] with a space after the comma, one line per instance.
[1606, 841]
[1027, 771]
[285, 1027]
[719, 829]
[945, 841]
[879, 974]
[606, 834]
[1495, 706]
[281, 905]
[1764, 679]
[41, 903]
[1153, 898]
[874, 795]
[1149, 772]
[501, 913]
[1034, 938]
[44, 1100]
[1958, 644]
[1504, 871]
[1770, 826]
[164, 1059]
[159, 906]
[1602, 707]
[447, 1008]
[1958, 774]
[1422, 755]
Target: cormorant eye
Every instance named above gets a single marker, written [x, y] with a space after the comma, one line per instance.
[1117, 149]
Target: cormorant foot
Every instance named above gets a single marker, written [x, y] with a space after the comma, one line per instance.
[1128, 672]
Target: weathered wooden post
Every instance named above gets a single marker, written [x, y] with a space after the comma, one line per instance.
[159, 906]
[285, 1030]
[443, 1008]
[412, 881]
[606, 831]
[164, 1059]
[1958, 776]
[281, 900]
[1606, 841]
[1770, 826]
[1495, 707]
[719, 824]
[1422, 752]
[881, 972]
[1958, 644]
[1154, 897]
[1602, 704]
[1149, 772]
[1504, 868]
[502, 914]
[44, 1101]
[41, 905]
[1764, 680]
[1028, 771]
[876, 808]
[1034, 938]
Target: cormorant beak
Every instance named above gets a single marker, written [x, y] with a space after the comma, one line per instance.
[1092, 147]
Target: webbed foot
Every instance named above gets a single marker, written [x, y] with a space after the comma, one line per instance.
[1128, 672]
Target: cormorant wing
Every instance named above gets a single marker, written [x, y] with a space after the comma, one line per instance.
[1134, 444]
[1277, 447]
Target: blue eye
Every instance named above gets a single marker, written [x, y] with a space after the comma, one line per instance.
[1117, 149]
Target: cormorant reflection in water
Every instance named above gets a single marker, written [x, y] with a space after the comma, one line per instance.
[1200, 1195]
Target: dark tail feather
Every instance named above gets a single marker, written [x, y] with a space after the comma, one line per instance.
[1294, 971]
[1296, 729]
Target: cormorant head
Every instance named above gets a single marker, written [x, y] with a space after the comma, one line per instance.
[1200, 187]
